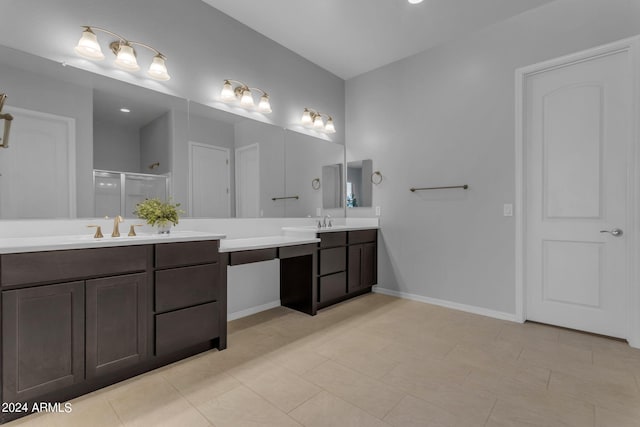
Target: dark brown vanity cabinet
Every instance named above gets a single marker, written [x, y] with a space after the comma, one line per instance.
[42, 340]
[76, 320]
[189, 296]
[362, 271]
[116, 323]
[347, 264]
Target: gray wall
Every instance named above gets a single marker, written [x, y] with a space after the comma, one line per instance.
[115, 147]
[156, 140]
[203, 46]
[446, 117]
[29, 90]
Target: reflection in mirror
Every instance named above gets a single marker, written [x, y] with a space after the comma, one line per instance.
[58, 141]
[306, 159]
[132, 140]
[332, 188]
[234, 166]
[359, 184]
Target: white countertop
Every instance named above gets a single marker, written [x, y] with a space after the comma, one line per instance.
[251, 243]
[335, 228]
[53, 243]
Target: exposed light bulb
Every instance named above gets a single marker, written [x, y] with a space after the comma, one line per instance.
[306, 119]
[330, 128]
[158, 69]
[88, 46]
[227, 92]
[264, 106]
[318, 123]
[247, 99]
[126, 58]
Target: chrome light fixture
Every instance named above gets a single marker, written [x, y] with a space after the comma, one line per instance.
[126, 56]
[313, 119]
[244, 93]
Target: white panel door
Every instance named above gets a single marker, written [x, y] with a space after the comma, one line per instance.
[577, 120]
[248, 182]
[209, 181]
[37, 171]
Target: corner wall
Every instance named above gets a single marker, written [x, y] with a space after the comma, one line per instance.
[446, 117]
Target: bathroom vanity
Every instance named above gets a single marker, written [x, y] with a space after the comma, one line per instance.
[75, 320]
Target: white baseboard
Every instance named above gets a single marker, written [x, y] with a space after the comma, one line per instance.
[253, 310]
[448, 304]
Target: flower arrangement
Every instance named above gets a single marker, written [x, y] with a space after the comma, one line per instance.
[157, 212]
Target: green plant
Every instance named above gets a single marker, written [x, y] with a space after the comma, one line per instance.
[157, 212]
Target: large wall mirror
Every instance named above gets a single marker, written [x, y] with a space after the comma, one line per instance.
[238, 167]
[85, 145]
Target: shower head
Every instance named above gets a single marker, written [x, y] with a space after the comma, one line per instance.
[4, 141]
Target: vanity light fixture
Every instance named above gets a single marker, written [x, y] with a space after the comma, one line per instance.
[415, 1]
[244, 93]
[126, 56]
[313, 119]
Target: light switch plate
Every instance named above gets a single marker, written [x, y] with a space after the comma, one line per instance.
[318, 211]
[377, 210]
[507, 209]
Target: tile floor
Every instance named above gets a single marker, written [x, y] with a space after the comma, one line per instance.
[379, 361]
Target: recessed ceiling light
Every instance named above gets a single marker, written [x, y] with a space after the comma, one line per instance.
[125, 110]
[415, 1]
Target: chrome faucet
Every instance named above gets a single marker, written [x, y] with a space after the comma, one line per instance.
[116, 226]
[324, 223]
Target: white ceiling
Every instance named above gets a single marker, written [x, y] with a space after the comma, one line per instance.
[351, 37]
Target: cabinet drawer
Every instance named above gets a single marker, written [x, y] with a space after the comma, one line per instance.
[332, 287]
[328, 240]
[55, 266]
[183, 328]
[257, 255]
[186, 253]
[186, 286]
[362, 236]
[332, 260]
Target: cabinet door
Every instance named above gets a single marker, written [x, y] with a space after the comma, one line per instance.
[369, 265]
[355, 268]
[116, 323]
[42, 340]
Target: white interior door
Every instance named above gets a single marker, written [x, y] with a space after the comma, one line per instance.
[37, 171]
[209, 194]
[577, 132]
[248, 181]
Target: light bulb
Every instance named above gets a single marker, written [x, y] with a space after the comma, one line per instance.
[88, 46]
[158, 69]
[318, 123]
[330, 128]
[247, 99]
[264, 106]
[126, 58]
[227, 92]
[306, 118]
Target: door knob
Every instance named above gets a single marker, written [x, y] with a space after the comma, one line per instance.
[614, 232]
